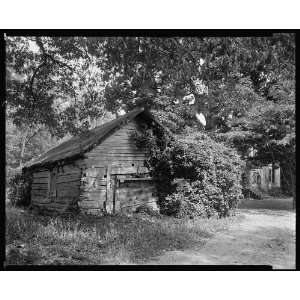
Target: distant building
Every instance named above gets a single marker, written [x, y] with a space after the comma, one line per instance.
[264, 178]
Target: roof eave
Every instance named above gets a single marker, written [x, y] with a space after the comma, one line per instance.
[85, 149]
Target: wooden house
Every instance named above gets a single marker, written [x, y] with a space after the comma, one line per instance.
[100, 172]
[264, 178]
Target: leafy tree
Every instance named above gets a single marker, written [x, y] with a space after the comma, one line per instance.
[276, 126]
[52, 82]
[23, 144]
[132, 70]
[269, 128]
[196, 175]
[245, 86]
[174, 66]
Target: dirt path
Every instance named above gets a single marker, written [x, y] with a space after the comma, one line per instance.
[265, 235]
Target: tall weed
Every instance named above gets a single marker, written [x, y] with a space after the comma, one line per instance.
[35, 239]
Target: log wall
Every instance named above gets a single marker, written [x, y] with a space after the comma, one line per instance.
[67, 188]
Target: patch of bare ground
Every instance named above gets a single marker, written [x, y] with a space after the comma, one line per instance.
[263, 236]
[262, 233]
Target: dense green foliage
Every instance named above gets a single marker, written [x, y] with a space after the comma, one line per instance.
[196, 175]
[24, 144]
[244, 87]
[66, 82]
[270, 130]
[20, 189]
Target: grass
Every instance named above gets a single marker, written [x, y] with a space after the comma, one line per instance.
[33, 239]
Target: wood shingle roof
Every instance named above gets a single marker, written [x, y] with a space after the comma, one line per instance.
[80, 144]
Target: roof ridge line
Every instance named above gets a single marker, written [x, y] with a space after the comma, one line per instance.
[67, 147]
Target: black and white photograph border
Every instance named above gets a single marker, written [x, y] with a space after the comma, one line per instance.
[151, 150]
[196, 19]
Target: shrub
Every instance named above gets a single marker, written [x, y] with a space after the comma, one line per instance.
[252, 193]
[188, 201]
[19, 189]
[277, 192]
[197, 175]
[147, 210]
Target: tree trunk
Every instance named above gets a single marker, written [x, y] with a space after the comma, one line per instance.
[25, 140]
[22, 151]
[294, 199]
[293, 186]
[289, 180]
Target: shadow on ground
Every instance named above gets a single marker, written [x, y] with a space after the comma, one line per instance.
[272, 204]
[264, 235]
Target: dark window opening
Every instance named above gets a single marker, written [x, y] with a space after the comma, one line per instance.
[258, 179]
[244, 178]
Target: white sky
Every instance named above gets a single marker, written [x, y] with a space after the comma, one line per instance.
[33, 46]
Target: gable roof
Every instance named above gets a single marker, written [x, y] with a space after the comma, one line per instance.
[80, 144]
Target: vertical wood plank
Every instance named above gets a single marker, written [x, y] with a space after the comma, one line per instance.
[49, 182]
[116, 199]
[113, 191]
[108, 204]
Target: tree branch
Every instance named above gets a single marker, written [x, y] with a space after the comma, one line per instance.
[59, 62]
[35, 132]
[188, 52]
[45, 58]
[33, 77]
[47, 55]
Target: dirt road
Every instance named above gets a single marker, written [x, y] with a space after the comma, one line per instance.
[264, 235]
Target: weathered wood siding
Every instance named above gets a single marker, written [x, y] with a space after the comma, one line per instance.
[131, 194]
[108, 164]
[40, 186]
[93, 190]
[101, 180]
[118, 149]
[67, 188]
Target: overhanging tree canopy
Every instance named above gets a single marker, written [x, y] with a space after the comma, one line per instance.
[64, 83]
[75, 79]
